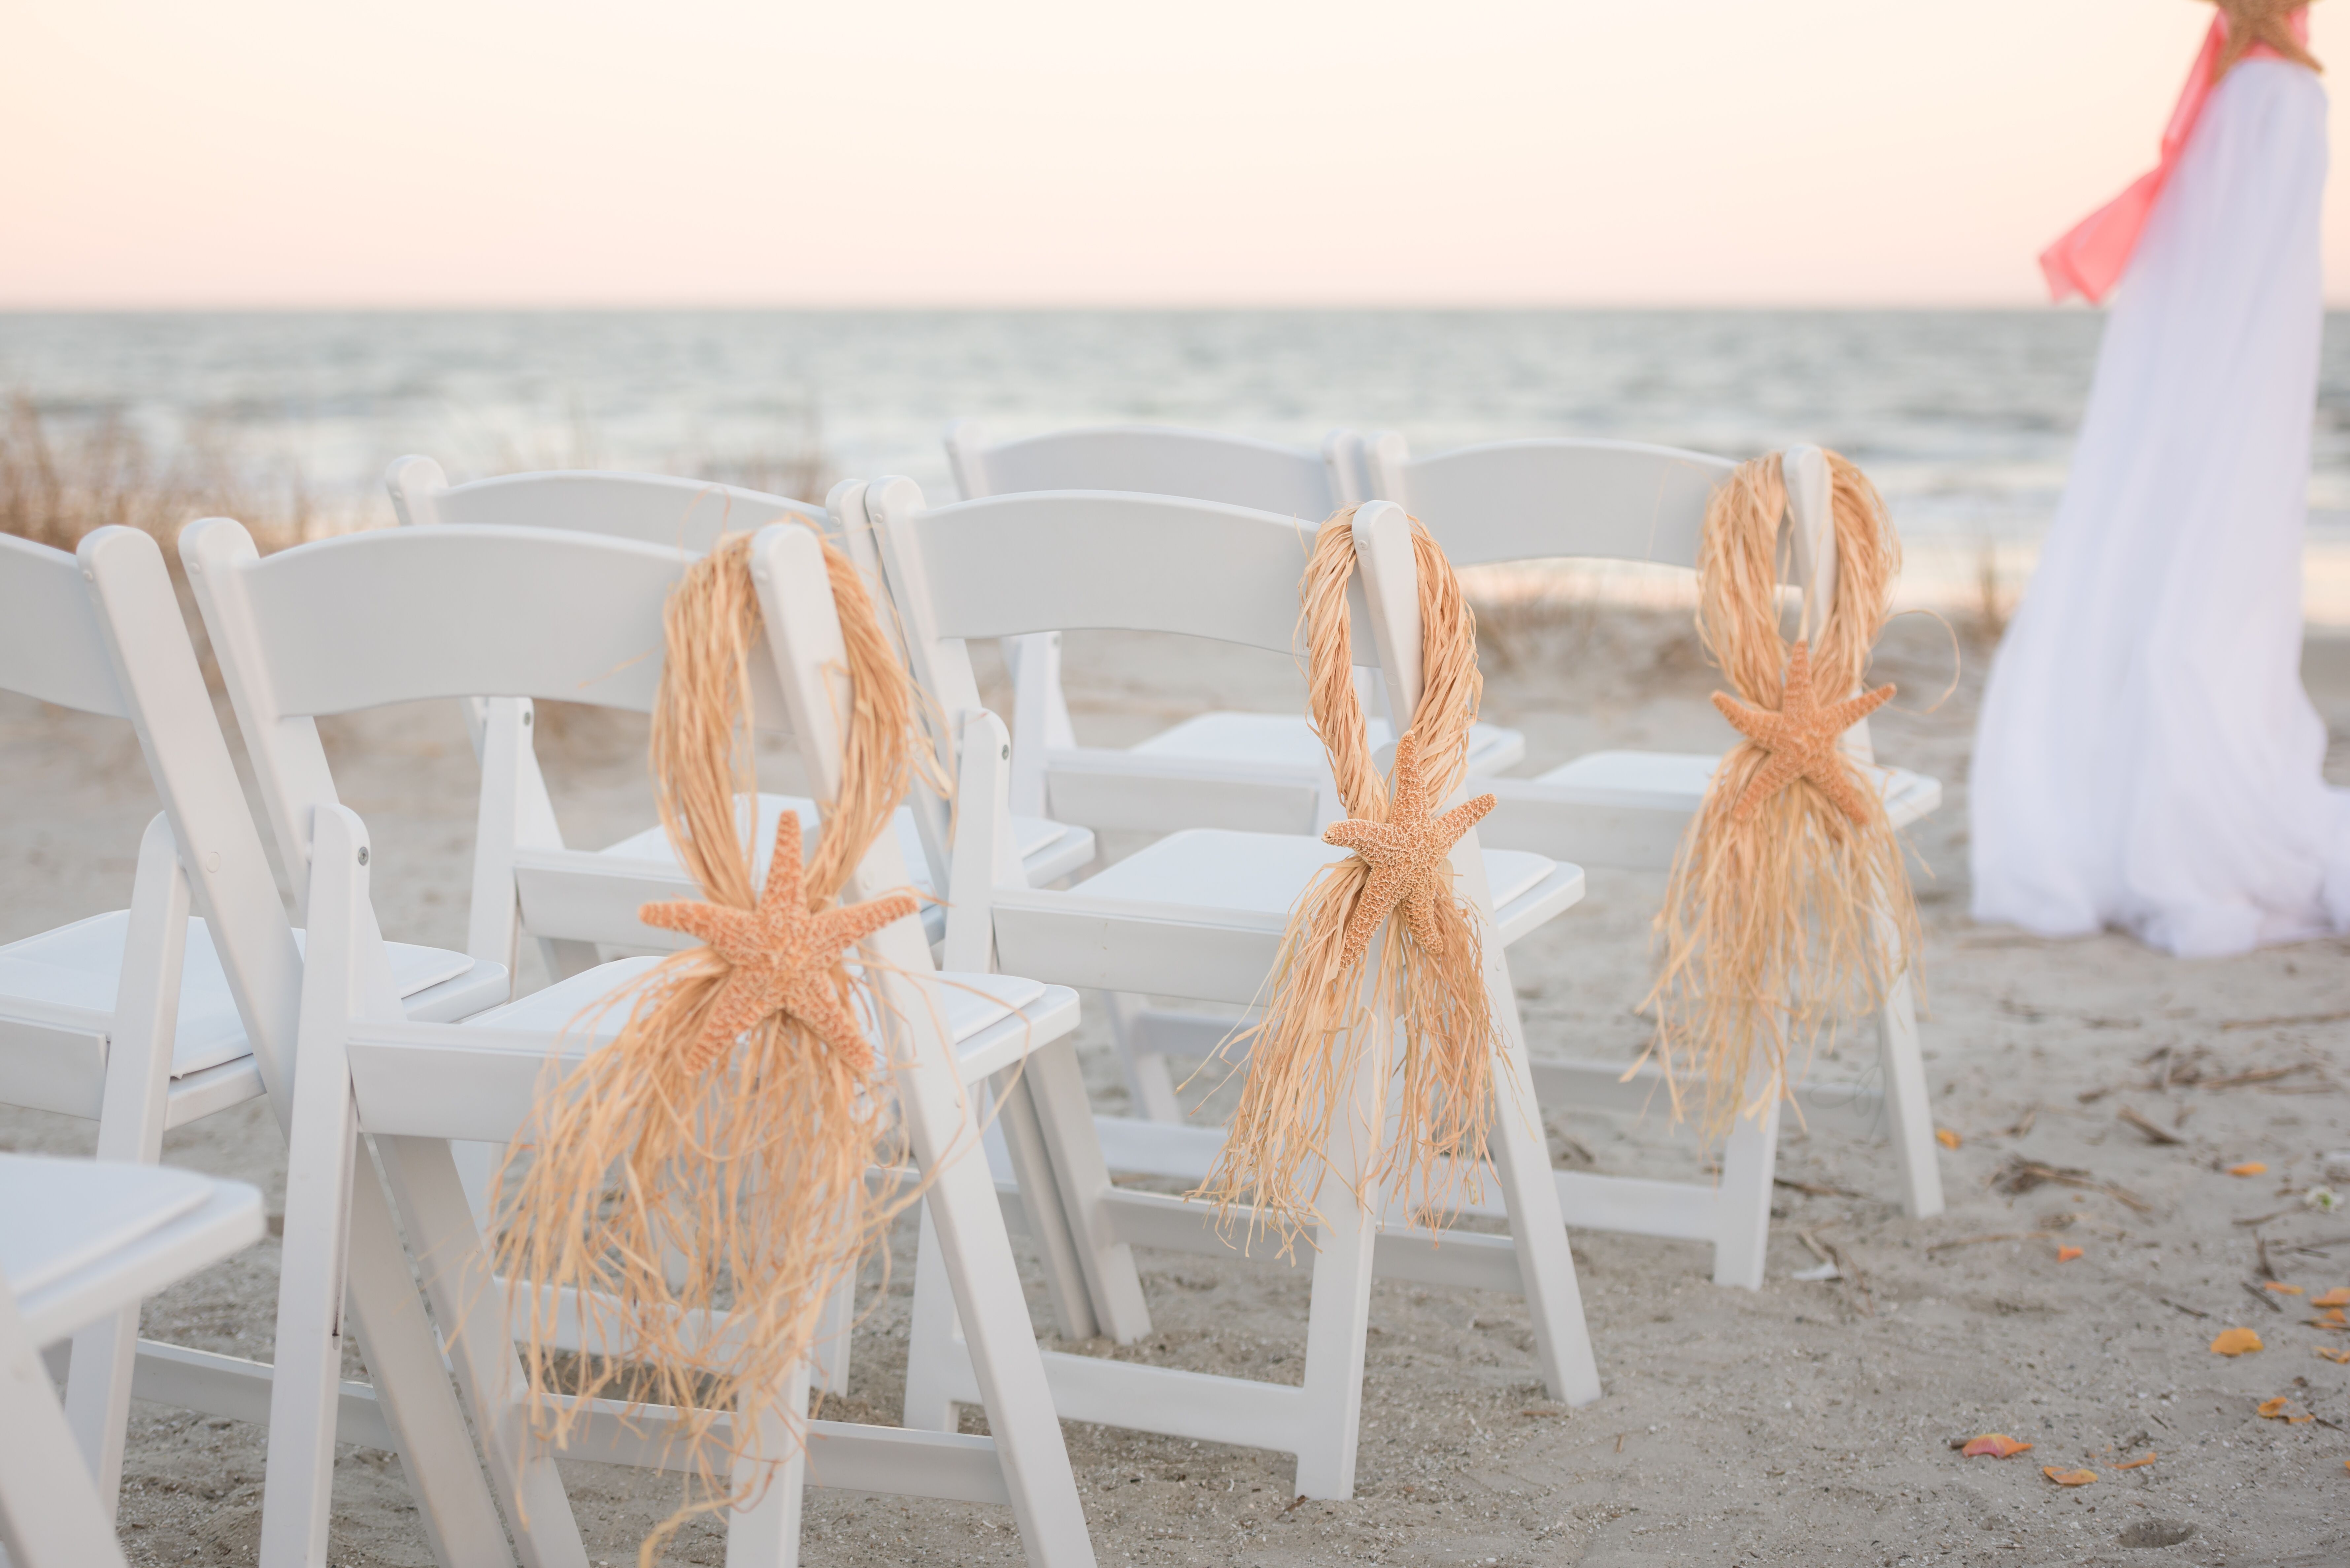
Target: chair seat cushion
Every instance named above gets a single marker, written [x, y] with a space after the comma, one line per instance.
[1678, 780]
[1261, 873]
[1288, 740]
[1047, 850]
[76, 969]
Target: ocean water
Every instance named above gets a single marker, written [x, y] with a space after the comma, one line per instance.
[1965, 418]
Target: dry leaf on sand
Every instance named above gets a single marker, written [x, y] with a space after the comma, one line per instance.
[2340, 1357]
[1946, 1137]
[2250, 1168]
[2139, 1464]
[2236, 1342]
[2066, 1254]
[2332, 1317]
[2069, 1477]
[2280, 1409]
[2283, 1290]
[1998, 1445]
[2338, 1296]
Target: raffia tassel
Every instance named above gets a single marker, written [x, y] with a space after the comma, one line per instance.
[697, 1163]
[1303, 1055]
[1789, 906]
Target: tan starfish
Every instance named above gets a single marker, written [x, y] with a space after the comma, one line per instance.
[781, 955]
[1802, 738]
[2266, 22]
[1405, 853]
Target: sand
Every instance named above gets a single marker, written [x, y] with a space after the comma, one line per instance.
[1809, 1423]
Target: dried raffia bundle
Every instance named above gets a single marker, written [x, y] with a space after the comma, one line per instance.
[1324, 1009]
[714, 1156]
[1789, 906]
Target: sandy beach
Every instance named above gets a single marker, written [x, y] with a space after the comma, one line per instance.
[1812, 1423]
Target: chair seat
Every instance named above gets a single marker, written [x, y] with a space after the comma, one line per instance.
[80, 1238]
[1048, 850]
[1262, 873]
[480, 1079]
[1200, 914]
[58, 998]
[1288, 740]
[1677, 781]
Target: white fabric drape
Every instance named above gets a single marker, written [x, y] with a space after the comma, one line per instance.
[2147, 758]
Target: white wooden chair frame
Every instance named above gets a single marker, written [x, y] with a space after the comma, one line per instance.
[103, 1236]
[1528, 500]
[578, 902]
[1023, 563]
[432, 613]
[1515, 501]
[101, 633]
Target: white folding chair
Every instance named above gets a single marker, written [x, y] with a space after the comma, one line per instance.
[427, 613]
[1531, 500]
[1264, 772]
[1200, 915]
[81, 1242]
[576, 901]
[1261, 772]
[147, 1019]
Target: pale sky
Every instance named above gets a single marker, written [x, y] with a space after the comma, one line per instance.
[525, 153]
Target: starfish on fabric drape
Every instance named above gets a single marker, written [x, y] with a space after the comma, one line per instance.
[781, 956]
[1802, 738]
[2266, 22]
[1405, 853]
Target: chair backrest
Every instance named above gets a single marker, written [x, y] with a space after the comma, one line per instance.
[1559, 496]
[1526, 500]
[651, 508]
[1160, 460]
[1101, 560]
[413, 614]
[51, 645]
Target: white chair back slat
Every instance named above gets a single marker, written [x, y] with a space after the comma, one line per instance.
[50, 645]
[1102, 560]
[415, 614]
[687, 515]
[1532, 499]
[1157, 460]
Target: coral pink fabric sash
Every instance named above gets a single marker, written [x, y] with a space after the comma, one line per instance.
[2089, 259]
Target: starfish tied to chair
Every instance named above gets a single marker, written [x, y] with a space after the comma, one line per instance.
[1404, 853]
[2266, 22]
[1803, 738]
[780, 956]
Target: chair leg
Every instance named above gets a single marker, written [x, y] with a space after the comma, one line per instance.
[1339, 1308]
[1148, 1078]
[934, 1339]
[1522, 1168]
[1054, 1089]
[472, 1308]
[1066, 1277]
[835, 1332]
[977, 1258]
[131, 1115]
[50, 1514]
[339, 1229]
[1907, 1104]
[1749, 1159]
[767, 1533]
